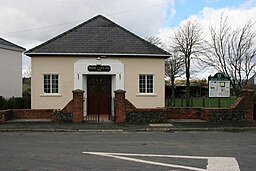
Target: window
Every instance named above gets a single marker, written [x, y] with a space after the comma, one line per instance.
[51, 83]
[145, 83]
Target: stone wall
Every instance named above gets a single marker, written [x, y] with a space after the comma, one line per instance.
[241, 110]
[141, 116]
[5, 115]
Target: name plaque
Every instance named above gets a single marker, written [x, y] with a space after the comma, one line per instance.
[99, 68]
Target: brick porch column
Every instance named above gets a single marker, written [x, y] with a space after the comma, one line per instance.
[120, 110]
[78, 106]
[248, 103]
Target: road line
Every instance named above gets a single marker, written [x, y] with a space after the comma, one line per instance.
[146, 161]
[214, 163]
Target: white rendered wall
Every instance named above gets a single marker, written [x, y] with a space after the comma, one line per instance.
[10, 73]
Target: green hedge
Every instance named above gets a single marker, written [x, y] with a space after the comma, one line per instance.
[15, 103]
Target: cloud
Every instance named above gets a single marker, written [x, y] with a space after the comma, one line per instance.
[143, 17]
[237, 17]
[207, 17]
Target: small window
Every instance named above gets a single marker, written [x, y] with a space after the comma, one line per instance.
[51, 83]
[146, 84]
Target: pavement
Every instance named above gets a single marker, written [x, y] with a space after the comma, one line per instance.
[171, 125]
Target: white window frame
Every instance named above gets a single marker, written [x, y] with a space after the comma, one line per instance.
[51, 84]
[146, 84]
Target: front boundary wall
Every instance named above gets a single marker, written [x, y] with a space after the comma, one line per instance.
[10, 114]
[241, 110]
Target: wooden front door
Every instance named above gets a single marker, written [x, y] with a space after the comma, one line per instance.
[99, 94]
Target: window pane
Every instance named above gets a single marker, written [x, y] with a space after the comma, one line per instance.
[51, 83]
[142, 84]
[55, 82]
[47, 88]
[149, 83]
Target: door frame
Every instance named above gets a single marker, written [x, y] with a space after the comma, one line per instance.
[98, 93]
[81, 72]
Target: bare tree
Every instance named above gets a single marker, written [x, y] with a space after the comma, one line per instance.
[188, 41]
[232, 51]
[173, 65]
[155, 41]
[173, 69]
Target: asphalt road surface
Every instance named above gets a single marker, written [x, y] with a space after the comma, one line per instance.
[127, 151]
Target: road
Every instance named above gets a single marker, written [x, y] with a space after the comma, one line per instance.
[138, 151]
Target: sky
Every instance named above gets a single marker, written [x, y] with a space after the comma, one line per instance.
[31, 22]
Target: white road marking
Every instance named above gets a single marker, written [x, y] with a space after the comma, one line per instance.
[214, 163]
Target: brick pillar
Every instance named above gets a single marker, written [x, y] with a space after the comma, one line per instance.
[120, 110]
[248, 103]
[78, 106]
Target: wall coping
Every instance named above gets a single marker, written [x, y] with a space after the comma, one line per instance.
[119, 91]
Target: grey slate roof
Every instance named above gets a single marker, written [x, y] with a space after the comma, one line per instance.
[97, 36]
[8, 45]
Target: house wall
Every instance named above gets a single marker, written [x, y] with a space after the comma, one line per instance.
[10, 73]
[64, 66]
[135, 66]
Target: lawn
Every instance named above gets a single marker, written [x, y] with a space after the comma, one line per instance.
[202, 102]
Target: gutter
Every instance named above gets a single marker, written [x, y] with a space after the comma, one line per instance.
[95, 54]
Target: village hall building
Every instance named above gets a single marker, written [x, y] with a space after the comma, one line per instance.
[98, 57]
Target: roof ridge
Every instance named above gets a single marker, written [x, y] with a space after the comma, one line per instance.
[133, 34]
[144, 46]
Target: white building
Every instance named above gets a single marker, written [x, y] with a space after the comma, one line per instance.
[10, 69]
[99, 57]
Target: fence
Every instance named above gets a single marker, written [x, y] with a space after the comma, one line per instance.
[200, 102]
[15, 103]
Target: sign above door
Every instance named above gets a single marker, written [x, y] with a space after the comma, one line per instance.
[99, 68]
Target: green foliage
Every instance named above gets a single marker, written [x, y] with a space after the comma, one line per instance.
[15, 103]
[202, 102]
[62, 117]
[26, 87]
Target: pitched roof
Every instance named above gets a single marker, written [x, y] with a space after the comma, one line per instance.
[97, 36]
[11, 46]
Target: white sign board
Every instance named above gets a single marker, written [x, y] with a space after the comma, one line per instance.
[219, 88]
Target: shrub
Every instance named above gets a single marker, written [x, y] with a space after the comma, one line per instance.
[62, 117]
[15, 103]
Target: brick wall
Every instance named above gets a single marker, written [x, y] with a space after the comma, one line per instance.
[120, 106]
[183, 113]
[6, 115]
[76, 106]
[241, 110]
[32, 113]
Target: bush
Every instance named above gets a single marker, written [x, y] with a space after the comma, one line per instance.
[15, 103]
[62, 117]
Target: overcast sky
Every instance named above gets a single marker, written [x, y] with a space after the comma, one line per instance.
[31, 22]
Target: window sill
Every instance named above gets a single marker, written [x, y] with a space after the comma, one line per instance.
[50, 95]
[146, 95]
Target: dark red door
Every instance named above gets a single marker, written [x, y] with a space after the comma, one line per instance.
[99, 94]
